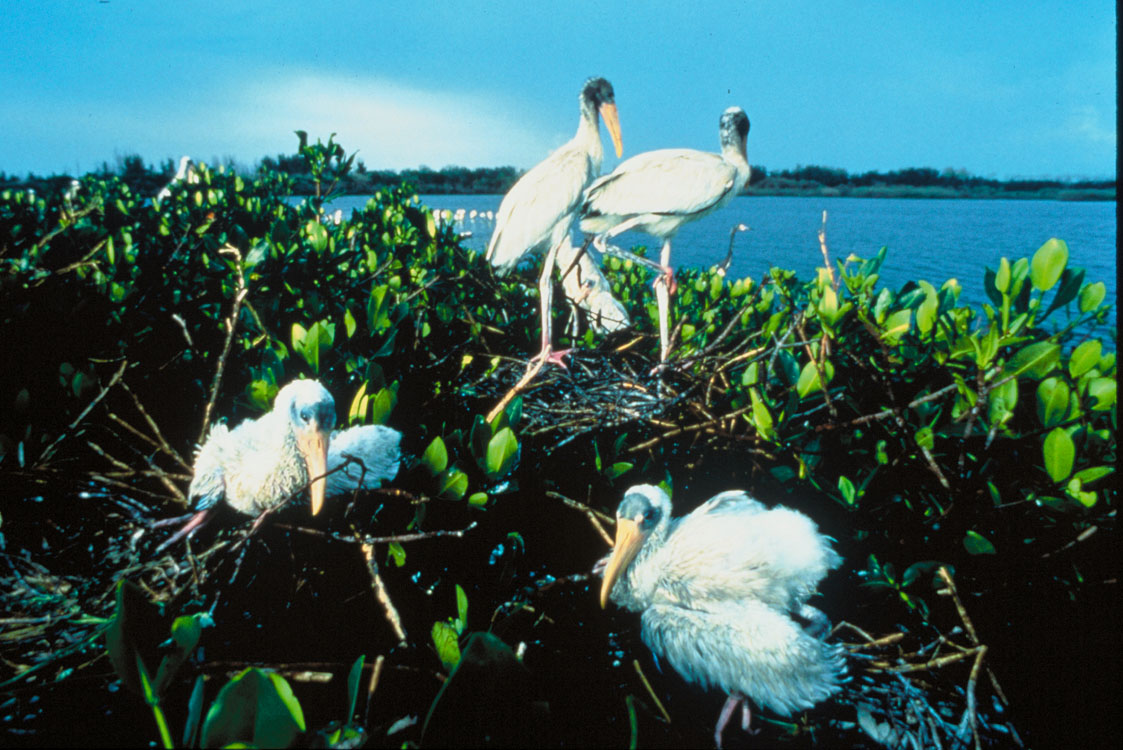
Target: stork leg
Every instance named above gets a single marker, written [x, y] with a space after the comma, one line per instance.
[545, 297]
[197, 522]
[663, 297]
[727, 714]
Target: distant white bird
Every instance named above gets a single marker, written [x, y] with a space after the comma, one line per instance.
[587, 289]
[723, 595]
[185, 173]
[262, 462]
[659, 191]
[536, 214]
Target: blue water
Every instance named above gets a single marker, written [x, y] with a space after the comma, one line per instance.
[934, 240]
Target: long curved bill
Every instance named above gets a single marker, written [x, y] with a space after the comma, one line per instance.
[629, 539]
[612, 121]
[313, 445]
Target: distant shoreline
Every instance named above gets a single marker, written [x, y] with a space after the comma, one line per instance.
[934, 192]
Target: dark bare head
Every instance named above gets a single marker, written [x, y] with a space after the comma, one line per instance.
[597, 97]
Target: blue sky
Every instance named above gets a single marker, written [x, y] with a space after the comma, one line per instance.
[1002, 89]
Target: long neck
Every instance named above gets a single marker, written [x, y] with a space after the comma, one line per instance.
[734, 153]
[588, 136]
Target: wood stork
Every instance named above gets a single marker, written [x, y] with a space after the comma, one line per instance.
[659, 191]
[723, 595]
[536, 214]
[261, 463]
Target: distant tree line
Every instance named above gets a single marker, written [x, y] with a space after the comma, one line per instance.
[803, 180]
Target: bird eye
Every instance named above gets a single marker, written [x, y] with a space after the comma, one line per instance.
[306, 416]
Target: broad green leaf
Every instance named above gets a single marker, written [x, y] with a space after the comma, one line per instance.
[918, 569]
[454, 485]
[502, 450]
[435, 456]
[1093, 473]
[194, 712]
[1103, 390]
[925, 438]
[397, 553]
[977, 544]
[1084, 357]
[1048, 263]
[896, 326]
[445, 639]
[256, 707]
[846, 487]
[1052, 401]
[1091, 296]
[461, 604]
[926, 312]
[349, 323]
[761, 418]
[478, 499]
[1034, 361]
[133, 635]
[1060, 453]
[618, 468]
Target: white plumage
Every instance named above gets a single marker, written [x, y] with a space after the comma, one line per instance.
[659, 191]
[185, 172]
[587, 289]
[723, 594]
[537, 212]
[263, 462]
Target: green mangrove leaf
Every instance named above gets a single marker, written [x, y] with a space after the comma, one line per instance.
[1034, 361]
[256, 707]
[1093, 473]
[896, 326]
[397, 553]
[478, 499]
[1052, 401]
[1002, 278]
[1060, 453]
[846, 487]
[445, 639]
[435, 456]
[186, 631]
[977, 544]
[1084, 357]
[502, 450]
[194, 712]
[1048, 263]
[1092, 296]
[1103, 390]
[618, 468]
[925, 438]
[926, 312]
[454, 485]
[917, 569]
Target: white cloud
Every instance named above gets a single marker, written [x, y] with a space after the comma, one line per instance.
[393, 126]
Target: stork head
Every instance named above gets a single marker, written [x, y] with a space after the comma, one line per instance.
[597, 95]
[643, 509]
[310, 412]
[734, 128]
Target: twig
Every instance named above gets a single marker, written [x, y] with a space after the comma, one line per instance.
[231, 325]
[373, 685]
[381, 594]
[50, 449]
[654, 697]
[531, 371]
[595, 517]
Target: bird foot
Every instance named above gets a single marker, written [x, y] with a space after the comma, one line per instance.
[549, 356]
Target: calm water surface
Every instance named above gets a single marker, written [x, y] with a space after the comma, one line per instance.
[934, 240]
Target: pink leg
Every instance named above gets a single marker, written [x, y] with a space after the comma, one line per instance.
[197, 521]
[545, 294]
[727, 714]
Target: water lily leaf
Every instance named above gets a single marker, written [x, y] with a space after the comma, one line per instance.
[977, 544]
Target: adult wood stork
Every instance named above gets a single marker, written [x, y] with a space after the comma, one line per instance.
[536, 214]
[723, 595]
[262, 462]
[659, 191]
